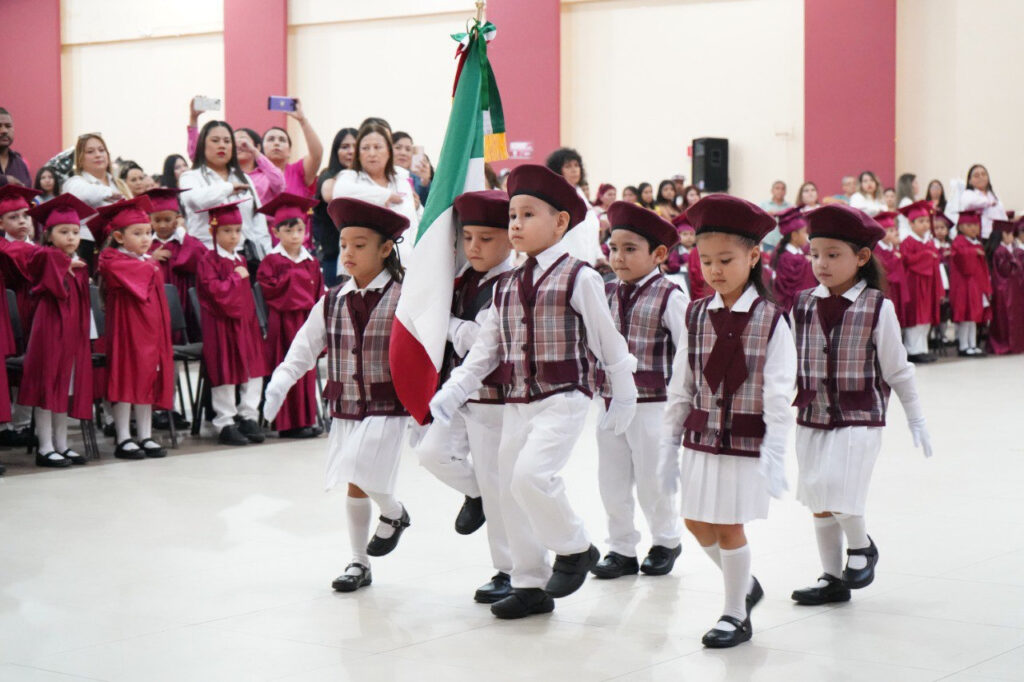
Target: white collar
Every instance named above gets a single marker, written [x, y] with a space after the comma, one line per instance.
[795, 250]
[303, 254]
[224, 253]
[851, 294]
[742, 304]
[547, 257]
[643, 280]
[1009, 247]
[9, 238]
[93, 180]
[885, 247]
[972, 240]
[178, 236]
[923, 240]
[378, 282]
[133, 255]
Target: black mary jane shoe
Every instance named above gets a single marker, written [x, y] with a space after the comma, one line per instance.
[615, 565]
[570, 570]
[856, 578]
[723, 639]
[379, 546]
[755, 595]
[152, 449]
[74, 457]
[230, 435]
[121, 453]
[348, 582]
[304, 432]
[523, 602]
[834, 591]
[48, 460]
[251, 430]
[964, 353]
[660, 560]
[471, 516]
[494, 591]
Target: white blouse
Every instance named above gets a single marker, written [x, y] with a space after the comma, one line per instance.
[206, 189]
[988, 203]
[92, 191]
[865, 203]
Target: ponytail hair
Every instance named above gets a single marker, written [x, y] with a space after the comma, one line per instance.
[393, 263]
[873, 273]
[784, 242]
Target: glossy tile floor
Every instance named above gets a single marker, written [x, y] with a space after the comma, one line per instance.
[217, 565]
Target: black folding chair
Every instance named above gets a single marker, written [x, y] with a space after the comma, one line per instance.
[202, 394]
[186, 352]
[262, 314]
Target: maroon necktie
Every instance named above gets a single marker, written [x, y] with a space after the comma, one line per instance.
[727, 361]
[831, 311]
[526, 280]
[625, 294]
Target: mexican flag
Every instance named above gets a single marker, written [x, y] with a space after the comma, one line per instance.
[475, 134]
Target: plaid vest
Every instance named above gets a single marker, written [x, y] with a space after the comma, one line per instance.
[729, 419]
[839, 381]
[543, 348]
[358, 370]
[490, 393]
[640, 321]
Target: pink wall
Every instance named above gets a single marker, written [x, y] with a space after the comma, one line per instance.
[526, 56]
[255, 61]
[30, 86]
[850, 90]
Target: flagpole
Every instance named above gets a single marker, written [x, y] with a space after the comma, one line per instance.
[481, 8]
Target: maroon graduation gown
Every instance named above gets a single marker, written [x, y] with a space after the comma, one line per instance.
[58, 348]
[896, 276]
[232, 342]
[140, 363]
[14, 262]
[291, 290]
[180, 269]
[924, 282]
[793, 274]
[969, 281]
[1006, 334]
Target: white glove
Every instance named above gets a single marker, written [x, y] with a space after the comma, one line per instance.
[273, 399]
[773, 468]
[668, 466]
[920, 435]
[447, 402]
[618, 416]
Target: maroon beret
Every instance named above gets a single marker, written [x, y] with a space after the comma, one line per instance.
[791, 220]
[625, 215]
[682, 223]
[724, 213]
[839, 221]
[549, 186]
[488, 208]
[357, 213]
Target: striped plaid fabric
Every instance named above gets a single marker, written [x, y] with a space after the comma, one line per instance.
[839, 381]
[543, 347]
[490, 393]
[649, 341]
[728, 424]
[358, 373]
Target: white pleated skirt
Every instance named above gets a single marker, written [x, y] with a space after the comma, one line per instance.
[723, 489]
[835, 467]
[365, 452]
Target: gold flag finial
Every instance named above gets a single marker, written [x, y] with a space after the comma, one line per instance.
[481, 6]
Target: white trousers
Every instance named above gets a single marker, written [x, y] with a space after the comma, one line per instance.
[629, 460]
[464, 456]
[224, 407]
[916, 339]
[967, 335]
[536, 441]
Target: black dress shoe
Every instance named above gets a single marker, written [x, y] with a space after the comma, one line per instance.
[152, 449]
[494, 591]
[615, 565]
[304, 432]
[723, 639]
[834, 591]
[73, 457]
[52, 460]
[471, 516]
[230, 435]
[523, 602]
[348, 582]
[20, 438]
[379, 546]
[251, 430]
[755, 595]
[570, 570]
[964, 353]
[122, 453]
[660, 560]
[921, 358]
[856, 578]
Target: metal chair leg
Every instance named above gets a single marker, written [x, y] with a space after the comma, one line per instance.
[173, 428]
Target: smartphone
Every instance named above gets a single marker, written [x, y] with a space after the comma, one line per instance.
[275, 103]
[417, 155]
[203, 103]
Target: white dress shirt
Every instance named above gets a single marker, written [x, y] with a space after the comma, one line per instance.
[303, 253]
[462, 333]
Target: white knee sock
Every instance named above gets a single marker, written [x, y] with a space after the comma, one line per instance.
[123, 424]
[736, 576]
[44, 430]
[714, 553]
[830, 545]
[144, 421]
[389, 507]
[856, 537]
[358, 510]
[60, 431]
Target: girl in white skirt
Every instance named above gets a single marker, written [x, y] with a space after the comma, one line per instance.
[850, 355]
[353, 321]
[729, 402]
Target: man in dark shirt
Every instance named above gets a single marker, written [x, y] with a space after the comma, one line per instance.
[13, 168]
